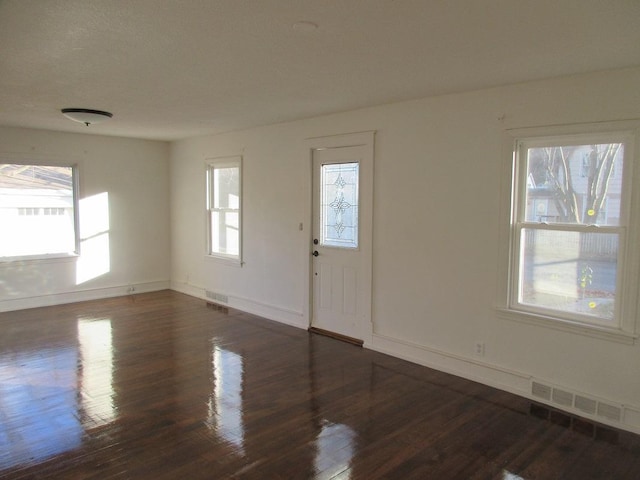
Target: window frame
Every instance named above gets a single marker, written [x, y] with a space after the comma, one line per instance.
[213, 164]
[75, 185]
[624, 326]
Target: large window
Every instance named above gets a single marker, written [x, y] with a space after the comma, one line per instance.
[224, 187]
[572, 256]
[38, 211]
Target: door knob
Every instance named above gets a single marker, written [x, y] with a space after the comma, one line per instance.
[315, 253]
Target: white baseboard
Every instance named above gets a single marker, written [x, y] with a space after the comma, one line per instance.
[272, 312]
[632, 418]
[188, 289]
[81, 295]
[495, 376]
[478, 371]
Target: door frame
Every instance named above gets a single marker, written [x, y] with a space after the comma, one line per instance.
[359, 139]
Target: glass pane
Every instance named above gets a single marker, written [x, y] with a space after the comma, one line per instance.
[225, 232]
[226, 187]
[36, 210]
[569, 271]
[575, 184]
[339, 205]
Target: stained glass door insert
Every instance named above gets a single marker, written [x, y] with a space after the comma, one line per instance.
[339, 205]
[341, 235]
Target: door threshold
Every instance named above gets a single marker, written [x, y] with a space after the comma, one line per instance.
[337, 336]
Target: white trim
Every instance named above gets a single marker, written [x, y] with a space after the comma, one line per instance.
[235, 161]
[227, 260]
[276, 313]
[590, 330]
[272, 312]
[341, 140]
[631, 417]
[508, 380]
[628, 300]
[471, 369]
[364, 139]
[38, 259]
[188, 289]
[81, 295]
[47, 161]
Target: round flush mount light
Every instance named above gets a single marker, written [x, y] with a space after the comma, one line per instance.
[304, 26]
[86, 115]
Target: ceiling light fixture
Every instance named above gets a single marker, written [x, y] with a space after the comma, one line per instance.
[85, 115]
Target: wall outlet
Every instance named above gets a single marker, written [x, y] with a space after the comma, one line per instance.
[479, 349]
[131, 289]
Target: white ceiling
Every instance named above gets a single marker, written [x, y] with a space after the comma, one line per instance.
[170, 69]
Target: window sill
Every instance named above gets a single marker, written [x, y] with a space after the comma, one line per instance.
[37, 259]
[595, 331]
[232, 262]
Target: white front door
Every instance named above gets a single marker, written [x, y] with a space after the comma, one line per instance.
[341, 249]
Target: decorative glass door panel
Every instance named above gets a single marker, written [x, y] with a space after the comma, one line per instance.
[339, 205]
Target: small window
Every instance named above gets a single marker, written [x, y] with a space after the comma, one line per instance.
[570, 224]
[339, 205]
[224, 205]
[38, 210]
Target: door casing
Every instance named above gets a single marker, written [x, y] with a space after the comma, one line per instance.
[366, 141]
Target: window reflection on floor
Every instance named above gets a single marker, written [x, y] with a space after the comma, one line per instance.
[510, 476]
[38, 405]
[334, 450]
[225, 403]
[96, 353]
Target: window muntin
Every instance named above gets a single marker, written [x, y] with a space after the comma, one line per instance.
[224, 208]
[339, 205]
[569, 227]
[38, 210]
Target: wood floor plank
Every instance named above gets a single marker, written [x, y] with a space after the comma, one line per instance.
[160, 386]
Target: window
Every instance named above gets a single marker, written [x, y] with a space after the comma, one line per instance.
[38, 210]
[224, 187]
[572, 259]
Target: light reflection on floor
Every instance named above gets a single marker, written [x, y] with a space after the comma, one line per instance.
[225, 403]
[28, 389]
[96, 352]
[334, 450]
[510, 476]
[62, 391]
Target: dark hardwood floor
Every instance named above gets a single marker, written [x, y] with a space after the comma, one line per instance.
[160, 386]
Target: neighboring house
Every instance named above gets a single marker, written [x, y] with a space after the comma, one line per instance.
[34, 199]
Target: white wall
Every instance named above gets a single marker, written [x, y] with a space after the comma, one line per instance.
[436, 231]
[132, 234]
